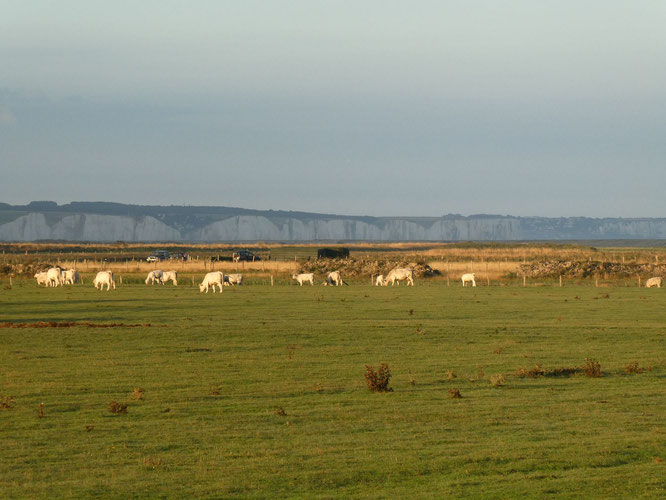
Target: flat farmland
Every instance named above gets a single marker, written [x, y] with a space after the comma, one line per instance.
[260, 391]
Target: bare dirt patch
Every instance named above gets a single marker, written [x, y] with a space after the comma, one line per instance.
[71, 324]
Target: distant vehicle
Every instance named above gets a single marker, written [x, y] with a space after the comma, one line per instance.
[246, 255]
[158, 255]
[178, 256]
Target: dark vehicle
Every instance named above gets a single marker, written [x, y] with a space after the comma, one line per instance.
[245, 255]
[158, 255]
[179, 256]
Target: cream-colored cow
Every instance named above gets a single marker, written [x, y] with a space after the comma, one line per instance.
[303, 278]
[656, 281]
[399, 274]
[212, 279]
[468, 278]
[104, 278]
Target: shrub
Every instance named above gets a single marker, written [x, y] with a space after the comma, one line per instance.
[280, 412]
[6, 403]
[378, 381]
[634, 368]
[116, 407]
[455, 394]
[592, 368]
[497, 380]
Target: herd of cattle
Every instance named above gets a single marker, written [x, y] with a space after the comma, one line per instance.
[57, 276]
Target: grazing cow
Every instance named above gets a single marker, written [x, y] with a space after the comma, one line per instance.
[379, 280]
[42, 278]
[54, 276]
[170, 276]
[400, 274]
[469, 277]
[333, 278]
[233, 279]
[104, 278]
[303, 277]
[70, 276]
[154, 276]
[656, 281]
[210, 280]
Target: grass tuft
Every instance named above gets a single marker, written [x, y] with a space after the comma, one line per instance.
[455, 394]
[634, 368]
[117, 408]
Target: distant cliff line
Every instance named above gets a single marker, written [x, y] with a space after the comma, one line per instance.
[108, 222]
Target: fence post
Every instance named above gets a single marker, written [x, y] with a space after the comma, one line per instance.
[488, 279]
[639, 282]
[447, 281]
[192, 280]
[524, 281]
[372, 279]
[271, 280]
[560, 281]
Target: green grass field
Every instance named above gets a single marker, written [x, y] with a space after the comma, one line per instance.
[259, 392]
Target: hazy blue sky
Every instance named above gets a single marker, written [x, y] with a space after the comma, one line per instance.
[367, 107]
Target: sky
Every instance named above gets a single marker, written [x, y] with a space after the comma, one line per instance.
[371, 107]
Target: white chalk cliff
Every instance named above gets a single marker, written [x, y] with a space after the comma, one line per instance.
[212, 224]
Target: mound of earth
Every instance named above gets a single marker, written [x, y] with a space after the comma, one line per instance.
[366, 267]
[584, 269]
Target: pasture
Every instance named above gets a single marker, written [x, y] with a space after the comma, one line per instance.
[260, 391]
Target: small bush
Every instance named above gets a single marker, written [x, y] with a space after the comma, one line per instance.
[280, 412]
[138, 393]
[497, 380]
[455, 394]
[116, 407]
[592, 368]
[378, 381]
[6, 403]
[450, 375]
[634, 368]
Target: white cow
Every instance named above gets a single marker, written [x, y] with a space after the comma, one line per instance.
[656, 281]
[379, 280]
[333, 278]
[54, 276]
[70, 276]
[303, 277]
[469, 277]
[210, 280]
[170, 276]
[233, 279]
[42, 278]
[399, 274]
[104, 278]
[154, 276]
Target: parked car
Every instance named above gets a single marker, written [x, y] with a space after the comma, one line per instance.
[246, 255]
[158, 255]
